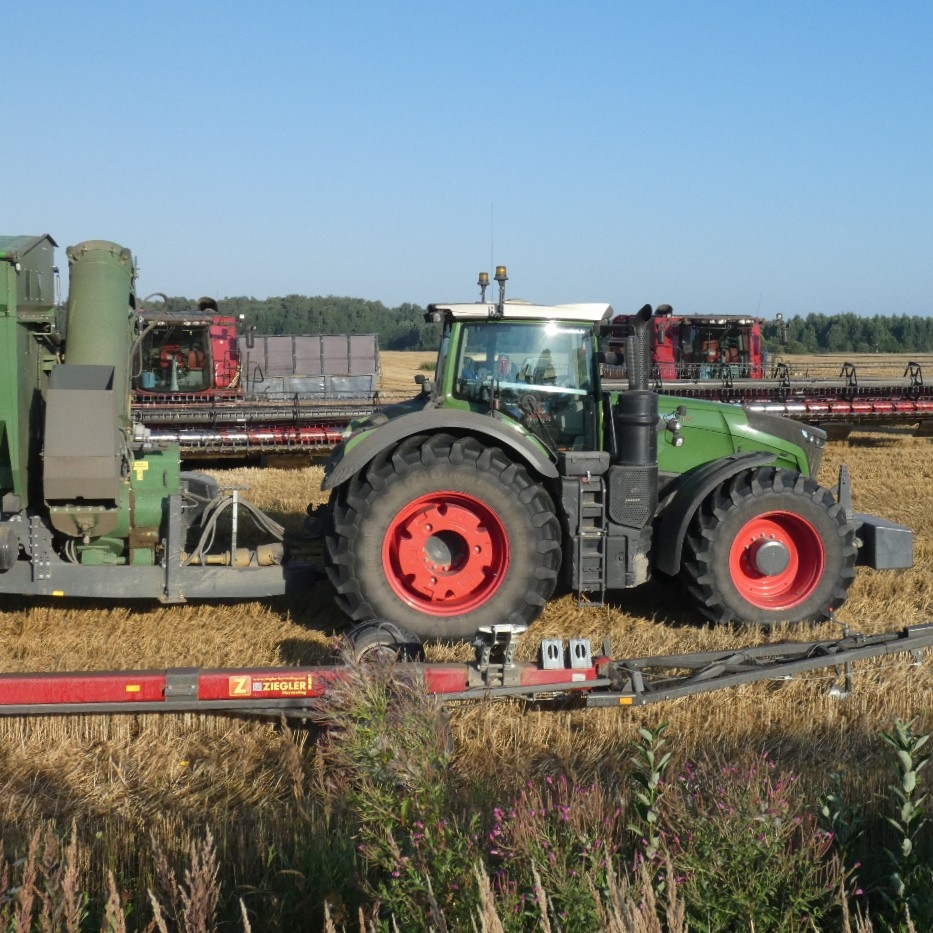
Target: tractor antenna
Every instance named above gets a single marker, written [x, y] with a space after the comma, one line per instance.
[492, 234]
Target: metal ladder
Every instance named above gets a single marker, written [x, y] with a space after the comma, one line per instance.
[591, 542]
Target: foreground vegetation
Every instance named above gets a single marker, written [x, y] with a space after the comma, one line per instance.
[387, 834]
[237, 823]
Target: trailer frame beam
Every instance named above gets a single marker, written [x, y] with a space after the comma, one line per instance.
[300, 691]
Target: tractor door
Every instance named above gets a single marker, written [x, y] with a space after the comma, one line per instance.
[540, 374]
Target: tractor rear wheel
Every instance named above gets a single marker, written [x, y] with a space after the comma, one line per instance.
[769, 546]
[441, 536]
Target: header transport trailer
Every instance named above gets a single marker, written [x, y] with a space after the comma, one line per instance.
[724, 357]
[513, 472]
[566, 672]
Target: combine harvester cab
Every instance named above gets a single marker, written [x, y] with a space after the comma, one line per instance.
[187, 355]
[696, 348]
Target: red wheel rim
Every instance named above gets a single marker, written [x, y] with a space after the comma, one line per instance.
[803, 550]
[445, 553]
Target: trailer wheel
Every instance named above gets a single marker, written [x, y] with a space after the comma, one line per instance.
[441, 536]
[379, 639]
[769, 546]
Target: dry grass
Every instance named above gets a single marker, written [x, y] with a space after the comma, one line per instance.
[867, 365]
[169, 775]
[399, 368]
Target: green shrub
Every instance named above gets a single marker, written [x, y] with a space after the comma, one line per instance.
[387, 764]
[746, 852]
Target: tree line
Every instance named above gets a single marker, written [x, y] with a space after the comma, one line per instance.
[850, 333]
[399, 328]
[403, 327]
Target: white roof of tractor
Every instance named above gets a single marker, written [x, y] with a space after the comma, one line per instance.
[516, 310]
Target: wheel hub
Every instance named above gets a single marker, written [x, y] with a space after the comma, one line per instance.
[769, 557]
[445, 553]
[445, 549]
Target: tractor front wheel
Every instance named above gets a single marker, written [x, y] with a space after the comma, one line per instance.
[442, 536]
[769, 546]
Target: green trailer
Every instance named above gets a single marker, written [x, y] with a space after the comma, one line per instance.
[89, 505]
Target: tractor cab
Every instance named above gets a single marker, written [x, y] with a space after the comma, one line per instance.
[534, 364]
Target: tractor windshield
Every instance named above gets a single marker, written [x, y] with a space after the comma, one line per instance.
[539, 373]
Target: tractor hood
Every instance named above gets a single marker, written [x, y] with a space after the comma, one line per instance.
[710, 430]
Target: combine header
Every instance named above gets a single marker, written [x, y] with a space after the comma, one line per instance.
[724, 358]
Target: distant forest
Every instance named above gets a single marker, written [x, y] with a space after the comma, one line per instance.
[849, 333]
[403, 327]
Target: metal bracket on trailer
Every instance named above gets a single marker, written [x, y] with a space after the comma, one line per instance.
[649, 680]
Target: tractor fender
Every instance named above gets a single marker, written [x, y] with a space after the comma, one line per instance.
[692, 489]
[347, 462]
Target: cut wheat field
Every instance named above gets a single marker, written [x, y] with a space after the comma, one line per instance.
[170, 777]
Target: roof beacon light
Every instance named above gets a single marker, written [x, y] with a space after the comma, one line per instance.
[483, 283]
[501, 278]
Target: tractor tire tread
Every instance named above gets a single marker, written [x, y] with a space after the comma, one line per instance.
[698, 571]
[351, 504]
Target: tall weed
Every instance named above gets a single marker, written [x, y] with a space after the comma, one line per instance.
[559, 838]
[747, 853]
[387, 769]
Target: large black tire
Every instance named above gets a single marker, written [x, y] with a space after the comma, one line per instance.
[442, 536]
[769, 546]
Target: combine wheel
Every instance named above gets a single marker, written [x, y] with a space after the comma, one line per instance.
[441, 536]
[769, 546]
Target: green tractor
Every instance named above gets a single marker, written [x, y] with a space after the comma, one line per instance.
[519, 469]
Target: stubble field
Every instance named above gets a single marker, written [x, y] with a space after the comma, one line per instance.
[138, 778]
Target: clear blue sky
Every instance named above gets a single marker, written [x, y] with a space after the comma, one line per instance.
[719, 156]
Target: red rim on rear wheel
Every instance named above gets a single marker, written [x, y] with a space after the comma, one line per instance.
[776, 560]
[445, 553]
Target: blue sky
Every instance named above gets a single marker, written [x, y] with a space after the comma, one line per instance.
[733, 157]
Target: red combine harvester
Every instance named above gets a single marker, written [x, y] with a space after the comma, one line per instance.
[200, 382]
[724, 358]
